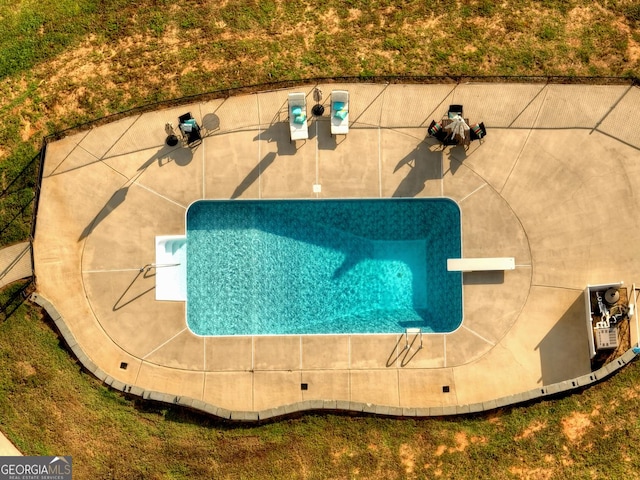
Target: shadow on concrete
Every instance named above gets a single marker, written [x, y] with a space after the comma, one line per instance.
[181, 156]
[210, 123]
[425, 163]
[531, 101]
[404, 350]
[410, 352]
[326, 141]
[5, 276]
[396, 353]
[278, 132]
[254, 174]
[558, 363]
[129, 295]
[457, 155]
[114, 202]
[364, 110]
[483, 278]
[59, 171]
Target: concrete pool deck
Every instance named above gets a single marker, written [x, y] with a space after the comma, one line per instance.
[554, 184]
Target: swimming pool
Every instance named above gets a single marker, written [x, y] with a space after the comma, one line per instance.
[277, 267]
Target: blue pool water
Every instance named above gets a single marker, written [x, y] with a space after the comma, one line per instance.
[268, 267]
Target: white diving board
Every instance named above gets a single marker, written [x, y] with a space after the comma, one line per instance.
[480, 264]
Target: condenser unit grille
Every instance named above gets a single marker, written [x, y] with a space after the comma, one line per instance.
[606, 338]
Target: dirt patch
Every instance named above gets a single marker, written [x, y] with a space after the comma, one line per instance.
[337, 454]
[528, 432]
[575, 426]
[354, 15]
[633, 51]
[495, 418]
[247, 442]
[631, 393]
[330, 21]
[25, 369]
[580, 16]
[531, 473]
[408, 458]
[462, 442]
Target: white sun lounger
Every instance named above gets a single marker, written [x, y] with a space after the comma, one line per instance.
[339, 116]
[480, 264]
[298, 117]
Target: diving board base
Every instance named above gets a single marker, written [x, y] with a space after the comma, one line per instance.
[480, 264]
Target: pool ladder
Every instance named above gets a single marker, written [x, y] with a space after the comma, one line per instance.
[417, 332]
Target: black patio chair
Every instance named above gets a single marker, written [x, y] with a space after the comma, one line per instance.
[190, 129]
[455, 110]
[478, 131]
[436, 131]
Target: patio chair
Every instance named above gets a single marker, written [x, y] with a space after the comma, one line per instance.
[436, 131]
[190, 129]
[455, 110]
[478, 131]
[339, 112]
[298, 127]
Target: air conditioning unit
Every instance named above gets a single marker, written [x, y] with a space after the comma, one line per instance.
[606, 338]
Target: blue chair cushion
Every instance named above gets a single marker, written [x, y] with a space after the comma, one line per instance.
[295, 111]
[341, 114]
[299, 119]
[338, 105]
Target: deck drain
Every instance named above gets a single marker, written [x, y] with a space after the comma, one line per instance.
[124, 365]
[304, 386]
[445, 389]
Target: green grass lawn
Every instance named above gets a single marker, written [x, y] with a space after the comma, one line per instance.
[65, 62]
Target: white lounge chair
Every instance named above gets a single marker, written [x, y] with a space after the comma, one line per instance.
[298, 117]
[339, 112]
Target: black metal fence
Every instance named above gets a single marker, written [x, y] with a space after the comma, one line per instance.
[20, 184]
[394, 79]
[36, 172]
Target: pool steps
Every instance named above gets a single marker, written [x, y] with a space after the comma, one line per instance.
[171, 267]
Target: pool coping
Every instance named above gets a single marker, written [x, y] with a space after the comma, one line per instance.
[446, 199]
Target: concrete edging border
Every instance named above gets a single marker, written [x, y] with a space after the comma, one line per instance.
[536, 394]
